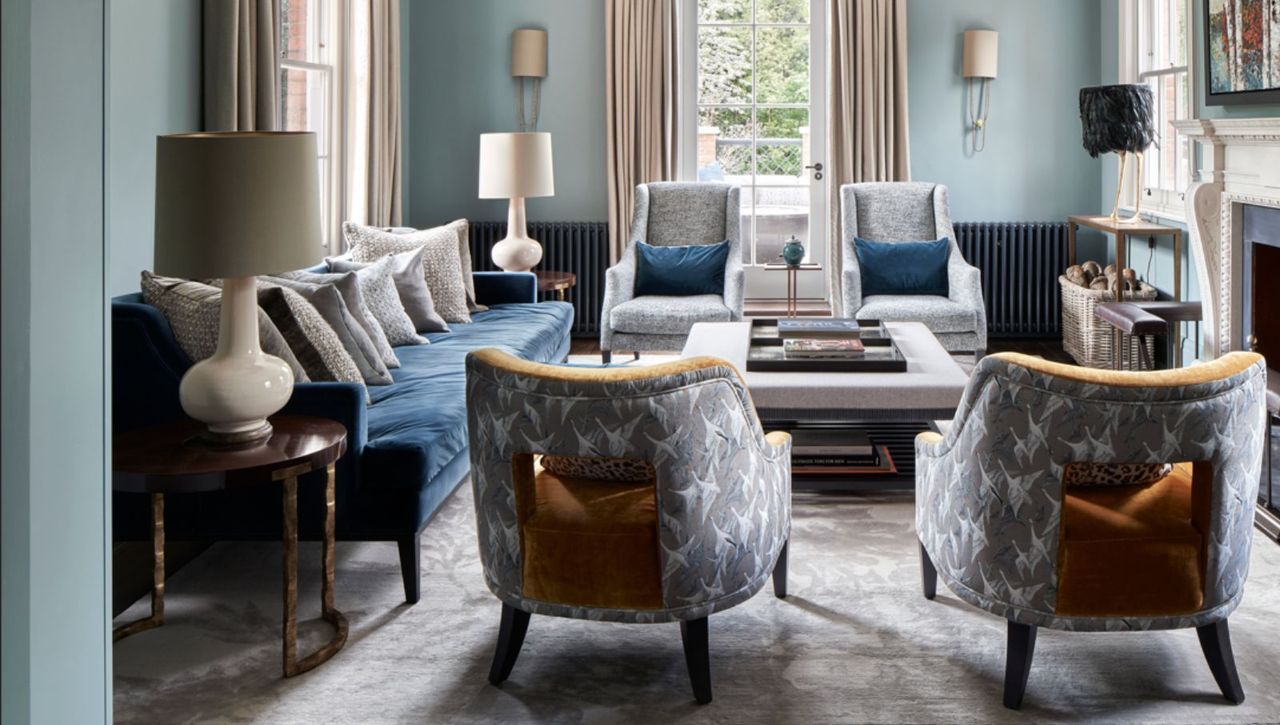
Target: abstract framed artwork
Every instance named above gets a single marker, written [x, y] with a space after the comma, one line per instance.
[1241, 51]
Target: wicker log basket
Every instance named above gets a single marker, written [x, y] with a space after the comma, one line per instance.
[1088, 339]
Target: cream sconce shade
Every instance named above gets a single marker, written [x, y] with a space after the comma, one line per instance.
[514, 166]
[528, 60]
[979, 68]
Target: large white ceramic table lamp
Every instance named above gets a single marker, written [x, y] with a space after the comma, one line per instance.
[235, 205]
[516, 166]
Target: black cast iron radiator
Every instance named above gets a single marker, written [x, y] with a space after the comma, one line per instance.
[578, 247]
[1020, 264]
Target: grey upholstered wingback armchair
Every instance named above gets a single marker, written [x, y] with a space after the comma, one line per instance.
[911, 212]
[1097, 500]
[672, 214]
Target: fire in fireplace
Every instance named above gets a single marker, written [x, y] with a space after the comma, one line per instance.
[1261, 328]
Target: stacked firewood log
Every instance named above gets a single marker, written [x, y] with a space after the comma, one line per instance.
[1092, 275]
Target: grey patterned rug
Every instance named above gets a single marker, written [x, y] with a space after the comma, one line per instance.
[854, 643]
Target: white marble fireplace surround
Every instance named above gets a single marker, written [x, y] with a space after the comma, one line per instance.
[1239, 164]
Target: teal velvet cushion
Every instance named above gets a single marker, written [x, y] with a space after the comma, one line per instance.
[903, 268]
[680, 271]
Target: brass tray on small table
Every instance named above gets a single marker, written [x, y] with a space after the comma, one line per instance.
[765, 354]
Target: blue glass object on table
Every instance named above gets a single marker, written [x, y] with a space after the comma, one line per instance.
[793, 252]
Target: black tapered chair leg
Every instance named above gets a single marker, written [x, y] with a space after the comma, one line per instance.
[780, 572]
[1215, 640]
[697, 656]
[637, 354]
[411, 567]
[1017, 663]
[515, 622]
[606, 357]
[928, 574]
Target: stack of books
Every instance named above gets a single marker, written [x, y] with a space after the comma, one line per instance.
[832, 447]
[823, 338]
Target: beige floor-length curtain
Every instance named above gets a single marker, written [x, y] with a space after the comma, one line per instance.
[640, 93]
[377, 97]
[241, 65]
[866, 103]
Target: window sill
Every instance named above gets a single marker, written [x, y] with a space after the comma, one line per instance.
[1176, 215]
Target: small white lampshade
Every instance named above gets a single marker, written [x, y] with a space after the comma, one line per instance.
[515, 165]
[529, 53]
[236, 204]
[980, 53]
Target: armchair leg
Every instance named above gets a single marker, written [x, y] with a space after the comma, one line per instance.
[411, 567]
[606, 356]
[928, 574]
[1017, 663]
[1215, 640]
[697, 656]
[780, 572]
[515, 622]
[637, 354]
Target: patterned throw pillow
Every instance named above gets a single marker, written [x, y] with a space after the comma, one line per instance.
[1114, 474]
[313, 342]
[327, 300]
[463, 230]
[411, 285]
[441, 262]
[194, 313]
[349, 285]
[380, 296]
[600, 468]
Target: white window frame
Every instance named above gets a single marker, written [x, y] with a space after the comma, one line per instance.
[1165, 203]
[331, 144]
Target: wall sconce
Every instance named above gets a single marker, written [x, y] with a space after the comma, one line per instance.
[528, 60]
[979, 69]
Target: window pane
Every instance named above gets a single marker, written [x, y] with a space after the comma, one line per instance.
[724, 145]
[304, 103]
[782, 65]
[724, 65]
[779, 213]
[782, 145]
[724, 11]
[782, 11]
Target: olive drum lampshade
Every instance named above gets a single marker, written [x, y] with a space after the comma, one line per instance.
[529, 53]
[236, 204]
[980, 53]
[515, 165]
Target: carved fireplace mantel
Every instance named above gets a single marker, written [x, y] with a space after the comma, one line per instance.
[1239, 164]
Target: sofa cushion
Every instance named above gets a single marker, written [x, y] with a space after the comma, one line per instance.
[663, 315]
[940, 314]
[418, 425]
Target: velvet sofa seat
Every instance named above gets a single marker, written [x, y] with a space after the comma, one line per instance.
[407, 448]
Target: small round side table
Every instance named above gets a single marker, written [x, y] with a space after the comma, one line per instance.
[172, 459]
[550, 280]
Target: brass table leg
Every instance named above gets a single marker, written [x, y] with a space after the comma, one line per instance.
[560, 294]
[157, 576]
[292, 665]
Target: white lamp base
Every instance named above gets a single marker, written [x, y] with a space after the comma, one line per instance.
[516, 252]
[235, 390]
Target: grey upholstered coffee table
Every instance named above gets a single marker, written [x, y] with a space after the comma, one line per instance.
[890, 407]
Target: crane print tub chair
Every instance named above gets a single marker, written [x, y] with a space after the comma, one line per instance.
[638, 495]
[1097, 500]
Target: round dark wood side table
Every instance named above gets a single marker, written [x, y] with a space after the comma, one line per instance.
[173, 459]
[549, 280]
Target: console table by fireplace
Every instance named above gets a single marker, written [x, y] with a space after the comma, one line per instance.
[1122, 232]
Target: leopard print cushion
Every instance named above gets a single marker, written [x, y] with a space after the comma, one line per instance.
[1115, 474]
[599, 468]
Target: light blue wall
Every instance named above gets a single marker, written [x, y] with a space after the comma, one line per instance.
[460, 85]
[153, 75]
[57, 657]
[1033, 168]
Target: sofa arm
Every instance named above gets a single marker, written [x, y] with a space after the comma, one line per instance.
[343, 402]
[502, 288]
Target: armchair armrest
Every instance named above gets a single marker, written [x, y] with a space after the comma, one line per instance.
[850, 282]
[619, 287]
[500, 288]
[735, 283]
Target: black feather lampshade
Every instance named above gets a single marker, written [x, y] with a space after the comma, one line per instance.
[1117, 119]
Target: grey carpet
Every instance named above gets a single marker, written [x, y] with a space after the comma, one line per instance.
[854, 643]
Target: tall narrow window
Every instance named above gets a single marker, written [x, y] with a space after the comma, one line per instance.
[759, 125]
[1159, 41]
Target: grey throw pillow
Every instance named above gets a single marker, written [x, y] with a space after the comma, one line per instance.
[411, 285]
[463, 230]
[313, 342]
[194, 313]
[329, 303]
[380, 296]
[441, 262]
[349, 285]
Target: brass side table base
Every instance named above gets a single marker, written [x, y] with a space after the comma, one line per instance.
[157, 576]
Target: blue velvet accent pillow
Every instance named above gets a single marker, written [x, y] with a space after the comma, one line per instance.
[903, 268]
[681, 271]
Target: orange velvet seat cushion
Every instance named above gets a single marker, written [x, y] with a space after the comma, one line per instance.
[1131, 551]
[591, 543]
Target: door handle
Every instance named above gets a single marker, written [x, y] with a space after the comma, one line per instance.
[817, 170]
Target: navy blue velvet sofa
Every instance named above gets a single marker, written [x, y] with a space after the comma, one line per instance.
[406, 449]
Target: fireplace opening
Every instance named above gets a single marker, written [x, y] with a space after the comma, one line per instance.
[1261, 241]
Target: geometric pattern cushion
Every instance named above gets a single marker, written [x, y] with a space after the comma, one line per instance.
[441, 262]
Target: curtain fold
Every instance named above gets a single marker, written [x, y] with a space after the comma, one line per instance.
[240, 65]
[641, 87]
[866, 105]
[382, 142]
